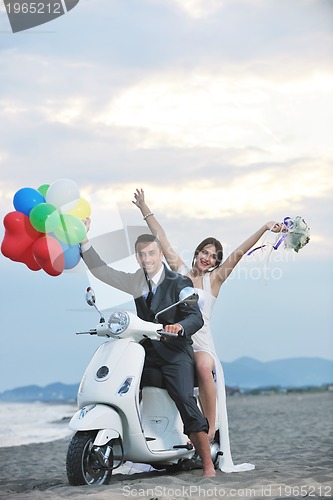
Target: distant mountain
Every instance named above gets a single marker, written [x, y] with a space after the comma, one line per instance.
[244, 373]
[51, 393]
[249, 373]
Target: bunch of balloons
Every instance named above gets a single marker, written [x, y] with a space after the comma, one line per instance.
[46, 227]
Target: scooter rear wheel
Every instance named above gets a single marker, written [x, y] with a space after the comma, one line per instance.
[82, 465]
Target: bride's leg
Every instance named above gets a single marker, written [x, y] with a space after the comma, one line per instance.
[204, 364]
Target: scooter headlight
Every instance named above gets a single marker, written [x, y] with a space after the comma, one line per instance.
[118, 322]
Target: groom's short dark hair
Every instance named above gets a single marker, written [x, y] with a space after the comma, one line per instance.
[147, 238]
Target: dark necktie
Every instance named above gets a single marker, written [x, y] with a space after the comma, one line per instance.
[150, 294]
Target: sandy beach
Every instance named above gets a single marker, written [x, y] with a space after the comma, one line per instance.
[288, 437]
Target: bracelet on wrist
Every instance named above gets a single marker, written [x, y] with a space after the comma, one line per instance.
[148, 215]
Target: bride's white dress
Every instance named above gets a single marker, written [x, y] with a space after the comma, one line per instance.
[203, 341]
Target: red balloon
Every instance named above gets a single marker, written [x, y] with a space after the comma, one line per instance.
[49, 255]
[29, 260]
[19, 238]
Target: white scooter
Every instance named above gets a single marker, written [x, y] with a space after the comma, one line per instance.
[117, 421]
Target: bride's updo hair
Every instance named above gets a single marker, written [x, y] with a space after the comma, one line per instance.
[210, 241]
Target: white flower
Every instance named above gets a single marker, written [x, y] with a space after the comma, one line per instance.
[298, 234]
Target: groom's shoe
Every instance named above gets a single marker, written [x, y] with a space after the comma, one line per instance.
[191, 463]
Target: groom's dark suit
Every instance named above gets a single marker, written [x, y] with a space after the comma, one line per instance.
[174, 357]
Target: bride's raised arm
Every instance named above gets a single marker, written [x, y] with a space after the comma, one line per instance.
[224, 270]
[173, 259]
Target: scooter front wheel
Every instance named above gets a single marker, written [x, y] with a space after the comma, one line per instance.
[83, 465]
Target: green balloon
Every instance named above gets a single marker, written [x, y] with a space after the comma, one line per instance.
[43, 189]
[44, 217]
[71, 230]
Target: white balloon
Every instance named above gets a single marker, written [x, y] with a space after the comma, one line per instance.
[63, 194]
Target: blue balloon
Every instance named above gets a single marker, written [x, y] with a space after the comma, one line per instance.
[71, 254]
[26, 199]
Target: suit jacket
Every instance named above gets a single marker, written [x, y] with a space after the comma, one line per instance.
[167, 293]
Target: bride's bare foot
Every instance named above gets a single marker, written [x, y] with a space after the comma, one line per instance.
[201, 444]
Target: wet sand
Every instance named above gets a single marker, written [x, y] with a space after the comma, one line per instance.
[288, 438]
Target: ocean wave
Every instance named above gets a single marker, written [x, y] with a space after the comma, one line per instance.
[26, 423]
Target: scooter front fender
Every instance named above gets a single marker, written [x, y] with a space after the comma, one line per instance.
[99, 417]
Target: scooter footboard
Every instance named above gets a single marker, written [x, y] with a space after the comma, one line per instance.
[161, 420]
[99, 417]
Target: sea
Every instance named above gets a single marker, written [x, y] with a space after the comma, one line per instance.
[26, 423]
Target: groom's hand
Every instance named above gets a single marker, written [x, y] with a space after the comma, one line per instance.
[175, 328]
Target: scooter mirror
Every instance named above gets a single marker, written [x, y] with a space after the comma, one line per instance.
[91, 299]
[90, 296]
[188, 295]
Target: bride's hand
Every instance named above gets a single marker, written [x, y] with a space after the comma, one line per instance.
[139, 198]
[276, 227]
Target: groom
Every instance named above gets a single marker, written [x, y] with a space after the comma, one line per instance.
[154, 287]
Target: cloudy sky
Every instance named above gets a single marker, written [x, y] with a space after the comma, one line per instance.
[222, 111]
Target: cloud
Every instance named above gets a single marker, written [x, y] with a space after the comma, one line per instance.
[227, 110]
[267, 189]
[242, 137]
[250, 131]
[274, 102]
[199, 9]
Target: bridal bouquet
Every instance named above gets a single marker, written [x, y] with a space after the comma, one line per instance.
[295, 235]
[298, 233]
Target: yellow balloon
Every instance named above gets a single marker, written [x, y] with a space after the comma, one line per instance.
[81, 210]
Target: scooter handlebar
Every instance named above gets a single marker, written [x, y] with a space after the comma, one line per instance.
[92, 331]
[167, 334]
[125, 324]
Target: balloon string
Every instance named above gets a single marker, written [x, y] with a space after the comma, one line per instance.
[64, 228]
